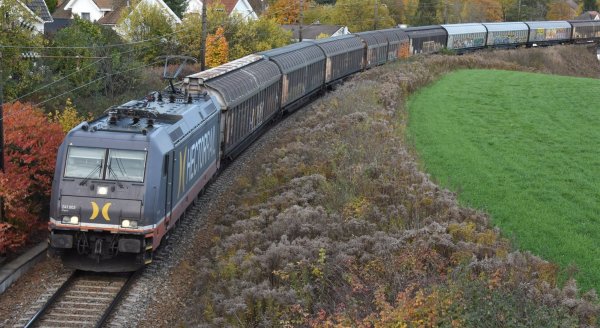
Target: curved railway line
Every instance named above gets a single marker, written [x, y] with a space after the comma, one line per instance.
[83, 300]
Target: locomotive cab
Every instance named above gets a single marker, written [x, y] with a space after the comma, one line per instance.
[123, 180]
[98, 195]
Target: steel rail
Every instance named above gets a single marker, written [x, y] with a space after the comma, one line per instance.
[118, 297]
[52, 299]
[61, 291]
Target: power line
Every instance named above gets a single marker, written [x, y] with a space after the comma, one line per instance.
[95, 80]
[97, 46]
[84, 85]
[69, 75]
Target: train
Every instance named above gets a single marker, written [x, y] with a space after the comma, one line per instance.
[123, 180]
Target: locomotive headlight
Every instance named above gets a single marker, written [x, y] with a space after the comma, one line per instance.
[70, 219]
[129, 223]
[103, 190]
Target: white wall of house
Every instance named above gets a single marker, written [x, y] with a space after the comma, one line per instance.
[79, 7]
[242, 7]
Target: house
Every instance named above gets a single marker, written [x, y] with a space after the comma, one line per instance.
[38, 11]
[572, 4]
[232, 7]
[105, 12]
[589, 15]
[315, 31]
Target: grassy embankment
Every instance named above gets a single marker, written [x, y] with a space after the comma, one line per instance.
[336, 225]
[524, 148]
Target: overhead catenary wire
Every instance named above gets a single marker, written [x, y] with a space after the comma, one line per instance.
[96, 80]
[82, 86]
[69, 75]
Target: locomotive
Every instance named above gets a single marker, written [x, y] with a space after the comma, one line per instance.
[123, 180]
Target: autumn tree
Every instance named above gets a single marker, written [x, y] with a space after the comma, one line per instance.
[402, 11]
[31, 144]
[286, 11]
[481, 11]
[68, 118]
[257, 35]
[361, 15]
[560, 10]
[243, 36]
[148, 22]
[217, 48]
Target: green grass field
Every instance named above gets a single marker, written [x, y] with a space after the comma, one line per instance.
[526, 149]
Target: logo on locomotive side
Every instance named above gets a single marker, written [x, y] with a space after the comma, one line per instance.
[193, 159]
[96, 210]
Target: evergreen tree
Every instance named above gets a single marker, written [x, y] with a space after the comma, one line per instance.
[427, 12]
[178, 6]
[590, 5]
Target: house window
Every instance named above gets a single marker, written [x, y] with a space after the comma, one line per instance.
[85, 16]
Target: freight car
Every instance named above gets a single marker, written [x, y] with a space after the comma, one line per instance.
[123, 180]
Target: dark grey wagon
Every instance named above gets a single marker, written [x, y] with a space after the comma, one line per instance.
[427, 39]
[302, 65]
[344, 56]
[586, 31]
[376, 48]
[248, 91]
[398, 43]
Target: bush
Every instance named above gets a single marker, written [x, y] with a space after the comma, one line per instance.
[338, 227]
[30, 145]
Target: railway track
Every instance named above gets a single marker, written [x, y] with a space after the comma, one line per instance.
[84, 300]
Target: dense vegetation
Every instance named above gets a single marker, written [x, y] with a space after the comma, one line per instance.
[339, 228]
[521, 146]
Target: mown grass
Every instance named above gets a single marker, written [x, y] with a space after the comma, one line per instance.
[524, 148]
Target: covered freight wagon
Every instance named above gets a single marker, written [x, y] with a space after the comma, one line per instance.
[302, 65]
[586, 31]
[247, 90]
[465, 37]
[376, 48]
[427, 39]
[398, 43]
[344, 56]
[551, 32]
[507, 34]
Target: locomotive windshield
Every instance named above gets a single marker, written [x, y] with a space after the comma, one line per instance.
[126, 165]
[85, 162]
[121, 165]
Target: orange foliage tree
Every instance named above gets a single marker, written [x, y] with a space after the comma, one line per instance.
[217, 48]
[286, 11]
[560, 10]
[30, 146]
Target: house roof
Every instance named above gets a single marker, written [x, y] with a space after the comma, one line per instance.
[572, 4]
[60, 12]
[39, 8]
[311, 31]
[229, 5]
[588, 15]
[104, 4]
[112, 17]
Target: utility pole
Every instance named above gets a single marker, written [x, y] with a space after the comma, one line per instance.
[519, 12]
[375, 14]
[301, 20]
[203, 38]
[445, 12]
